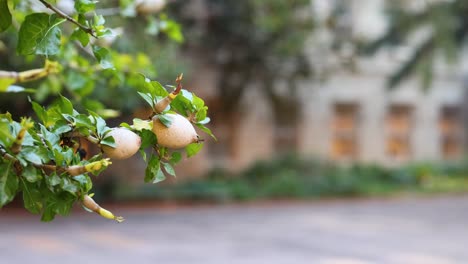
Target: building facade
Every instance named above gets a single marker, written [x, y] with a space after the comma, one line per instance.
[351, 116]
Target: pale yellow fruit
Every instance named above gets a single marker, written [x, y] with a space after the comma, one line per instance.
[178, 135]
[150, 6]
[127, 144]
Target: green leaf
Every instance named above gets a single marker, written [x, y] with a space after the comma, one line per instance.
[206, 130]
[5, 136]
[152, 168]
[84, 6]
[158, 89]
[198, 103]
[31, 174]
[193, 149]
[139, 124]
[69, 186]
[59, 157]
[39, 34]
[159, 176]
[98, 20]
[148, 98]
[5, 83]
[186, 94]
[175, 157]
[108, 141]
[148, 138]
[181, 104]
[29, 153]
[103, 56]
[91, 104]
[53, 179]
[171, 28]
[101, 127]
[40, 112]
[65, 105]
[32, 197]
[8, 183]
[169, 169]
[85, 182]
[5, 16]
[201, 115]
[57, 204]
[61, 127]
[81, 36]
[83, 121]
[51, 138]
[165, 120]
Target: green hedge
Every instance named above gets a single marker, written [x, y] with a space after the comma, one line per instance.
[293, 177]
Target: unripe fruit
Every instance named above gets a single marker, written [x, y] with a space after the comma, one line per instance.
[178, 135]
[127, 144]
[76, 170]
[89, 203]
[150, 6]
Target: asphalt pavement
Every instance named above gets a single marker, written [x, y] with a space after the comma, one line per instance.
[398, 230]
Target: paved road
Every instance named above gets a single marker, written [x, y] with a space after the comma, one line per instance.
[407, 230]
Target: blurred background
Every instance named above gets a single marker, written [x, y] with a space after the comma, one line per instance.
[341, 131]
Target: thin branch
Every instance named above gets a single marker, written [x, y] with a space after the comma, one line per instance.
[78, 134]
[67, 17]
[31, 75]
[9, 157]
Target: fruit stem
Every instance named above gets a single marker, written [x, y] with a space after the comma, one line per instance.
[179, 84]
[164, 103]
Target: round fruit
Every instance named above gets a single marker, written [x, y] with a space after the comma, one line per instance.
[150, 6]
[127, 143]
[178, 135]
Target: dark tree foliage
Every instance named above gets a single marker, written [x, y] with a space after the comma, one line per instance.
[448, 24]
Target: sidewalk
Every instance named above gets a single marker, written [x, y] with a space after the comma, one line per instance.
[409, 230]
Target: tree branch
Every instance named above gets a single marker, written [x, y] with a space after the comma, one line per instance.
[78, 134]
[50, 67]
[9, 157]
[67, 17]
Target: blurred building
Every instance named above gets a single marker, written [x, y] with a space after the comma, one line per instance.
[350, 116]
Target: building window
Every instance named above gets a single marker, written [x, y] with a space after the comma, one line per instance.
[345, 125]
[398, 124]
[450, 126]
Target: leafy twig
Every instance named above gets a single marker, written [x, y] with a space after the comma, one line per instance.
[67, 17]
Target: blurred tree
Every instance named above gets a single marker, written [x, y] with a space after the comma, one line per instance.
[446, 23]
[259, 41]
